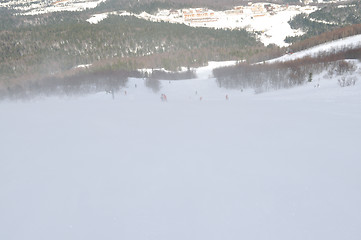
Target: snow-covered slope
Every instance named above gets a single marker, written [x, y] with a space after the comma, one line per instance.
[281, 165]
[33, 7]
[329, 47]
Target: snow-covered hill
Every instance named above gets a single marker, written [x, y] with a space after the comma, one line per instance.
[34, 7]
[280, 165]
[326, 48]
[268, 21]
[271, 26]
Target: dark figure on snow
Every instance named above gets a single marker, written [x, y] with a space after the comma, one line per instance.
[163, 97]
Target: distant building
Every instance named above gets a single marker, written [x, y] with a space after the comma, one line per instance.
[258, 8]
[198, 15]
[269, 7]
[57, 2]
[235, 11]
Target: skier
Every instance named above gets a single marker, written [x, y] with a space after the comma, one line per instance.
[163, 97]
[226, 96]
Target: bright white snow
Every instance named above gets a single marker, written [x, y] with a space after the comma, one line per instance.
[281, 165]
[97, 18]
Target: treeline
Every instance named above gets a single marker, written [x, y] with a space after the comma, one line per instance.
[139, 6]
[9, 20]
[261, 77]
[335, 34]
[273, 76]
[340, 14]
[59, 46]
[311, 28]
[85, 81]
[153, 5]
[327, 18]
[76, 84]
[166, 75]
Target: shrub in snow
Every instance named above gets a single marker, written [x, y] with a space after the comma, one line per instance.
[341, 68]
[345, 81]
[310, 77]
[153, 84]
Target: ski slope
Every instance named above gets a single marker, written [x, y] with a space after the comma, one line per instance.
[280, 165]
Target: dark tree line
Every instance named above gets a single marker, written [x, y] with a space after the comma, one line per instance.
[84, 82]
[75, 84]
[328, 18]
[127, 42]
[335, 34]
[273, 76]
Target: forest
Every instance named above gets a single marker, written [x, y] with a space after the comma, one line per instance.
[37, 46]
[327, 18]
[264, 77]
[50, 47]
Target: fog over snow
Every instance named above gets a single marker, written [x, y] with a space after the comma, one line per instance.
[280, 165]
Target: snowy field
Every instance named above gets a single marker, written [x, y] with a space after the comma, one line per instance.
[280, 165]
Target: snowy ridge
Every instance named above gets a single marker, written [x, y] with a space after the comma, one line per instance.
[329, 47]
[96, 18]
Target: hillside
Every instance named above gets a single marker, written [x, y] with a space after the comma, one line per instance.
[40, 40]
[339, 60]
[118, 42]
[30, 7]
[134, 167]
[332, 47]
[327, 18]
[268, 22]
